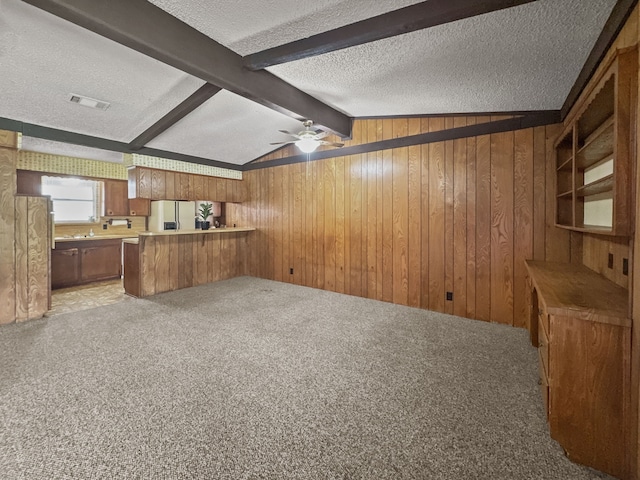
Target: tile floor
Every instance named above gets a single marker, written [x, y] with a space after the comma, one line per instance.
[83, 297]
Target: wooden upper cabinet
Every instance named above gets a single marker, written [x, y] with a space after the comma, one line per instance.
[147, 183]
[595, 154]
[140, 182]
[115, 198]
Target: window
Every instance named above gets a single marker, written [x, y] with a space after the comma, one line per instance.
[74, 200]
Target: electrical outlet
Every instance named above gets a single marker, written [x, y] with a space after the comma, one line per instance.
[291, 271]
[450, 296]
[625, 266]
[610, 261]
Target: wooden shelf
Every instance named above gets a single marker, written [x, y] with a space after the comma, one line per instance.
[586, 228]
[605, 184]
[566, 165]
[598, 146]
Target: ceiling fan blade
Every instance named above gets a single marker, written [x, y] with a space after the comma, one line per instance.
[289, 133]
[321, 134]
[333, 144]
[282, 143]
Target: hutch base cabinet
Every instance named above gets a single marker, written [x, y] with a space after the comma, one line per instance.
[579, 322]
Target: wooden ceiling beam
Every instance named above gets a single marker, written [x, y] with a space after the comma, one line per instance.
[196, 99]
[533, 119]
[142, 26]
[397, 22]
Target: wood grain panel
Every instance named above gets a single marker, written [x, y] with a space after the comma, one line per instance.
[22, 258]
[425, 215]
[387, 214]
[372, 220]
[296, 239]
[39, 248]
[483, 227]
[340, 237]
[471, 223]
[502, 227]
[7, 230]
[414, 277]
[400, 185]
[330, 224]
[448, 215]
[286, 228]
[522, 221]
[355, 224]
[436, 220]
[459, 244]
[539, 182]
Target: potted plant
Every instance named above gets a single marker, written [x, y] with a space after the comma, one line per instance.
[205, 212]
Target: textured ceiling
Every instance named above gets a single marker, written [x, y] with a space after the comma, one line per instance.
[522, 58]
[41, 145]
[44, 59]
[245, 28]
[236, 129]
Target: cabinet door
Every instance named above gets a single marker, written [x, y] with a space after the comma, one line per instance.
[170, 186]
[158, 178]
[100, 263]
[140, 207]
[115, 198]
[65, 267]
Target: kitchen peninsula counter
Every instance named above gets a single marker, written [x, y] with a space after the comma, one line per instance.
[157, 262]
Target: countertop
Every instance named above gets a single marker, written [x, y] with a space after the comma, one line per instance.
[576, 291]
[96, 237]
[197, 232]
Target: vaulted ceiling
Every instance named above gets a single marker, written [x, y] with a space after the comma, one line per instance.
[213, 82]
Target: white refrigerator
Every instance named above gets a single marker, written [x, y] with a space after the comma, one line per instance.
[170, 215]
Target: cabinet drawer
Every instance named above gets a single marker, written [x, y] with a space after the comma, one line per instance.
[543, 349]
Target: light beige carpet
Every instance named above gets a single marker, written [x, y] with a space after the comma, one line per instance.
[253, 379]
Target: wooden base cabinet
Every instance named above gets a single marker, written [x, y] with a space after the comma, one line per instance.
[584, 345]
[79, 262]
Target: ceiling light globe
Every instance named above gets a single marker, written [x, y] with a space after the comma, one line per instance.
[307, 145]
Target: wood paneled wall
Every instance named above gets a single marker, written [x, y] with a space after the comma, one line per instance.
[408, 225]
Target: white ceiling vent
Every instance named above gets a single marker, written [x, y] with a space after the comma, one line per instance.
[89, 102]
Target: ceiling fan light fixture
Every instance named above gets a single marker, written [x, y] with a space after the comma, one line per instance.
[307, 145]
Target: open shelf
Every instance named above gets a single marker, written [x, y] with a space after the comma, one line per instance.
[598, 146]
[594, 152]
[602, 185]
[567, 165]
[587, 228]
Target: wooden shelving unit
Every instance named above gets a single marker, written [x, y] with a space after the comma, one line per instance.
[594, 155]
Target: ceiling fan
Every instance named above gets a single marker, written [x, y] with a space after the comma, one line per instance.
[308, 139]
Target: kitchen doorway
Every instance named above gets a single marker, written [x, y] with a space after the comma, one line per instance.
[84, 297]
